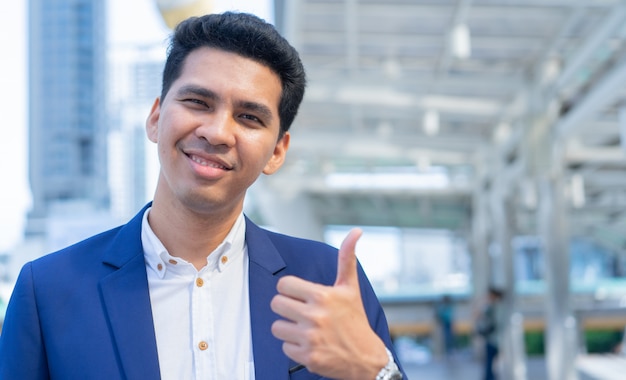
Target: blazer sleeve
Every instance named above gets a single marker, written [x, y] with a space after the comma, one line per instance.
[376, 316]
[22, 352]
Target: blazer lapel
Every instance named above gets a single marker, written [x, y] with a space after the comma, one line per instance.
[126, 300]
[265, 262]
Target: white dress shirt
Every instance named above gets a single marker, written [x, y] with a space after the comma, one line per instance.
[201, 318]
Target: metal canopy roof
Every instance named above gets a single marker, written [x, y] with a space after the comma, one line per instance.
[376, 67]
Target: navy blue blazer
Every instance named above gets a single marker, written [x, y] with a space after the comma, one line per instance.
[84, 312]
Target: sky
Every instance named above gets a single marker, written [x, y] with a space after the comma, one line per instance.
[14, 193]
[125, 27]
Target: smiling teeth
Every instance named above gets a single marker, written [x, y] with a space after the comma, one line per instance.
[202, 162]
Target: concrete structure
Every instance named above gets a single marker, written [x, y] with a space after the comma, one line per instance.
[519, 103]
[67, 113]
[135, 72]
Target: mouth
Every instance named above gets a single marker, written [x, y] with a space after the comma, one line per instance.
[210, 163]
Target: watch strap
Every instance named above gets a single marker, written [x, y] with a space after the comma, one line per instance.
[389, 371]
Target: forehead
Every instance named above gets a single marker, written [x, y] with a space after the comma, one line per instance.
[208, 60]
[230, 74]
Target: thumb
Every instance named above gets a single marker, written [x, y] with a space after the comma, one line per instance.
[346, 259]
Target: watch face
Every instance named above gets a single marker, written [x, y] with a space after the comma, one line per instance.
[396, 375]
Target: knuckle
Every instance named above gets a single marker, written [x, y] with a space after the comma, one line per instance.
[320, 296]
[322, 319]
[311, 337]
[314, 361]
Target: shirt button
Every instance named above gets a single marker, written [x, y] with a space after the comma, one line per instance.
[199, 282]
[224, 259]
[173, 262]
[203, 345]
[160, 267]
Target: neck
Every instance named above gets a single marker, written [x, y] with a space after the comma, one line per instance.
[189, 234]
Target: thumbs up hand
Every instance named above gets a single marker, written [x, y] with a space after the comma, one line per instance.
[325, 327]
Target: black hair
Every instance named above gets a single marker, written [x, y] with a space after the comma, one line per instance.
[496, 292]
[248, 36]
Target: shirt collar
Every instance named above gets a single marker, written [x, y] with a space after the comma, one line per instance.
[160, 261]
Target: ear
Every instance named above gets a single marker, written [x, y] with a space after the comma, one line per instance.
[278, 156]
[152, 122]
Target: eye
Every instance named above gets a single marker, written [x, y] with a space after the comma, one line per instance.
[251, 118]
[195, 101]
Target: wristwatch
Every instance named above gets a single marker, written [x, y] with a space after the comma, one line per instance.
[390, 371]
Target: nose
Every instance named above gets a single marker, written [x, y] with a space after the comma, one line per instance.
[218, 129]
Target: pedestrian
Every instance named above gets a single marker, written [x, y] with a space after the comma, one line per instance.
[488, 327]
[444, 312]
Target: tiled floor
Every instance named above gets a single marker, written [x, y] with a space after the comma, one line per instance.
[589, 367]
[465, 368]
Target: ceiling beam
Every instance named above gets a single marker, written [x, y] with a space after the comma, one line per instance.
[588, 49]
[601, 95]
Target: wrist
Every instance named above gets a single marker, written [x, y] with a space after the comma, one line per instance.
[390, 371]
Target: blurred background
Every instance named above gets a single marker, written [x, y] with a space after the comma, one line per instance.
[477, 143]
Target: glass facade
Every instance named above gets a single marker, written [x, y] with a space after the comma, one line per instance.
[67, 115]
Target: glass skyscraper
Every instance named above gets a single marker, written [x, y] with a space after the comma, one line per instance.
[67, 112]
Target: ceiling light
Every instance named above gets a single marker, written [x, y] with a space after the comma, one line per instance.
[461, 45]
[392, 68]
[384, 129]
[431, 122]
[578, 191]
[529, 194]
[502, 132]
[551, 70]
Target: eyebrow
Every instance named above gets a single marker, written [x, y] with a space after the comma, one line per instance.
[197, 90]
[258, 108]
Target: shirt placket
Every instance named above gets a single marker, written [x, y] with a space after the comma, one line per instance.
[202, 327]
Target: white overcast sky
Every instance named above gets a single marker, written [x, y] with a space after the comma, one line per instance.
[129, 21]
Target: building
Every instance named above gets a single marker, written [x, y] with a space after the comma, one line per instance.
[135, 82]
[67, 113]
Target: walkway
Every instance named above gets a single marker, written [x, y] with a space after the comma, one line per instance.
[589, 367]
[466, 368]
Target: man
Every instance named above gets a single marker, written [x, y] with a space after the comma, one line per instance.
[444, 312]
[488, 326]
[190, 288]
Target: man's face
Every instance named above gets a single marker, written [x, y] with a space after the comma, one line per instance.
[216, 131]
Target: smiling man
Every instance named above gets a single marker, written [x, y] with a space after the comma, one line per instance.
[190, 288]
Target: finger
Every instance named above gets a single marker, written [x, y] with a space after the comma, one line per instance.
[294, 352]
[288, 307]
[286, 331]
[346, 260]
[297, 288]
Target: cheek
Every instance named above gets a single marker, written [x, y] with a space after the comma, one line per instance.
[164, 137]
[263, 154]
[164, 148]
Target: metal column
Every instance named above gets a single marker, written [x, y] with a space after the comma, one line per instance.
[512, 352]
[560, 330]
